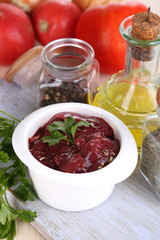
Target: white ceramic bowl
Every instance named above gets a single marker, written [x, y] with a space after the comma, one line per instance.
[75, 191]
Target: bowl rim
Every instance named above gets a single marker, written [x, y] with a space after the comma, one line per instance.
[118, 170]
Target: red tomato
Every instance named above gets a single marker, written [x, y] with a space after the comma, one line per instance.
[55, 19]
[99, 26]
[16, 33]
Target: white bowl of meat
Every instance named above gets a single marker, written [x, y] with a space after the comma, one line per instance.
[75, 154]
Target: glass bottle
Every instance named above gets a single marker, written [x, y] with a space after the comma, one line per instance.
[69, 67]
[150, 149]
[130, 94]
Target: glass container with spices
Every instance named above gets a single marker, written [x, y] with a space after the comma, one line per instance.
[150, 150]
[130, 94]
[68, 70]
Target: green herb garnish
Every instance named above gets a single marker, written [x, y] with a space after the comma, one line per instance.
[13, 176]
[68, 126]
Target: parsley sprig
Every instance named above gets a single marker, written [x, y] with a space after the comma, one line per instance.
[12, 176]
[68, 126]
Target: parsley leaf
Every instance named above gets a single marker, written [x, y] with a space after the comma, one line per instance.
[54, 138]
[63, 130]
[13, 176]
[79, 124]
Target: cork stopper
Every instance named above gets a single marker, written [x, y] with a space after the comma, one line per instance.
[145, 26]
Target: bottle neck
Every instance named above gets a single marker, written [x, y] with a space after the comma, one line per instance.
[142, 57]
[144, 60]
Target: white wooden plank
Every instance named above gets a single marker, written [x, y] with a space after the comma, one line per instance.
[131, 212]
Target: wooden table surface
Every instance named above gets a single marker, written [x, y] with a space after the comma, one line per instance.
[26, 232]
[131, 212]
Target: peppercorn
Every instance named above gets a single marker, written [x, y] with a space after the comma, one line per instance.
[65, 92]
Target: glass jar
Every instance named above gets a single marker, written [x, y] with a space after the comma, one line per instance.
[131, 93]
[150, 152]
[68, 70]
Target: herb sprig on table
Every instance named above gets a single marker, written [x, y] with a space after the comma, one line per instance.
[68, 126]
[12, 176]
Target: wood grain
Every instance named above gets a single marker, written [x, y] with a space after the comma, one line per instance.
[26, 231]
[21, 62]
[3, 71]
[131, 212]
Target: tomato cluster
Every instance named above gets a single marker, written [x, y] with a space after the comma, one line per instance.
[49, 20]
[53, 19]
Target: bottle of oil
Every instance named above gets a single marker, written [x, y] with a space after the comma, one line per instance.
[131, 93]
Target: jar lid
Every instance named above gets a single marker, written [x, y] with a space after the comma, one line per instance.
[26, 67]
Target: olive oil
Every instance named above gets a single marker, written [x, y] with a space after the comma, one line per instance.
[128, 98]
[130, 94]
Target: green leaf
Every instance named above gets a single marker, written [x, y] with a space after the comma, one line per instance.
[55, 138]
[69, 122]
[6, 213]
[21, 168]
[1, 190]
[8, 231]
[68, 126]
[79, 124]
[4, 157]
[6, 129]
[26, 215]
[6, 146]
[55, 126]
[12, 232]
[12, 174]
[4, 230]
[22, 191]
[2, 174]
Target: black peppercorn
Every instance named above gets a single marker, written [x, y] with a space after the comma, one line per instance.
[65, 92]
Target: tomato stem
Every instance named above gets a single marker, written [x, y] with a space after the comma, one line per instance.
[44, 26]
